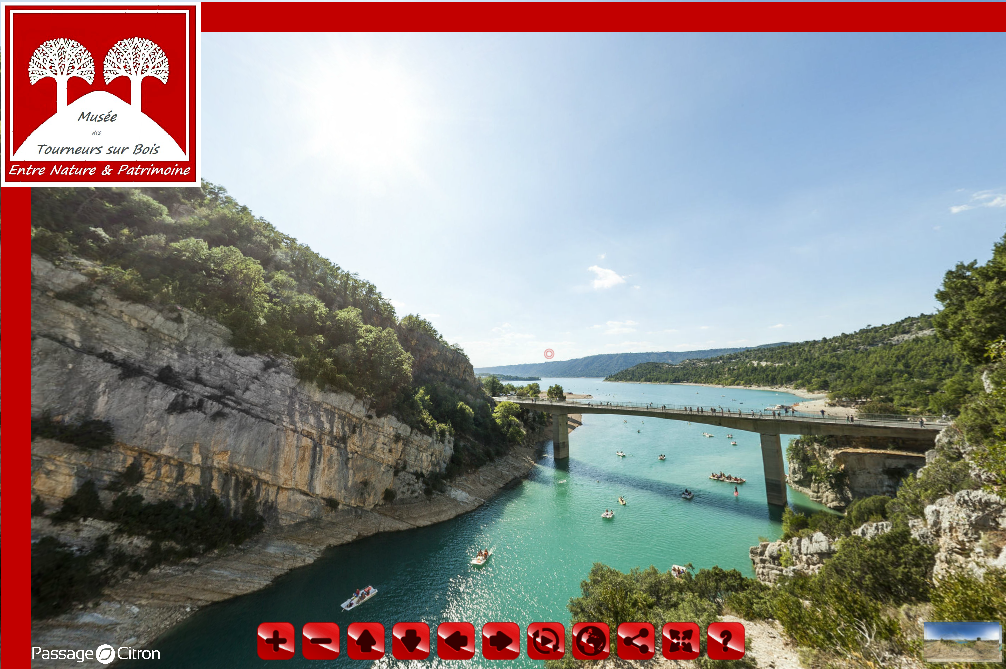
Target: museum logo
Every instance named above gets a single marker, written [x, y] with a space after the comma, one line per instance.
[100, 95]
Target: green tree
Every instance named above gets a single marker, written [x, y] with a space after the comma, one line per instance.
[493, 386]
[974, 305]
[556, 393]
[507, 417]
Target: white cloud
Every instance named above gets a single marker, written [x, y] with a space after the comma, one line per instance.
[620, 327]
[705, 327]
[430, 317]
[605, 278]
[983, 198]
[399, 306]
[636, 287]
[776, 326]
[602, 256]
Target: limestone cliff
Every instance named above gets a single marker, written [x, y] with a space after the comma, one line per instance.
[837, 470]
[198, 416]
[969, 530]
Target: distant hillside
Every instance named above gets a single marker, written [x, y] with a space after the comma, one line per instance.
[604, 364]
[902, 366]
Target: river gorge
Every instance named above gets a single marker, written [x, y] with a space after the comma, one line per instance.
[545, 532]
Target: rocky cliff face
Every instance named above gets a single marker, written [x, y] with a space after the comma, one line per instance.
[969, 529]
[773, 560]
[197, 416]
[857, 469]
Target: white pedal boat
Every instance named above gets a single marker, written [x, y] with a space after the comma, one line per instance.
[355, 601]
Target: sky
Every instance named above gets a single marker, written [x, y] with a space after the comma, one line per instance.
[595, 193]
[964, 631]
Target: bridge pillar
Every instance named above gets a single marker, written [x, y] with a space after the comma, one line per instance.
[560, 436]
[775, 469]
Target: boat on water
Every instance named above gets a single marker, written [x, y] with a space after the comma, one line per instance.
[661, 457]
[706, 434]
[620, 454]
[730, 436]
[733, 443]
[482, 558]
[356, 600]
[621, 500]
[726, 478]
[688, 494]
[608, 514]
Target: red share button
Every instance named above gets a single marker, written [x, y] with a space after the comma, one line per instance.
[636, 642]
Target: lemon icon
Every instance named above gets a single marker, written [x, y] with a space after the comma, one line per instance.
[105, 654]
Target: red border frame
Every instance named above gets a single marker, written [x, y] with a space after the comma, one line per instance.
[603, 16]
[15, 560]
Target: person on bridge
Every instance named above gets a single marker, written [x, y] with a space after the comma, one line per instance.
[822, 413]
[922, 422]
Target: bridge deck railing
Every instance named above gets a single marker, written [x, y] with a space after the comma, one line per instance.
[892, 420]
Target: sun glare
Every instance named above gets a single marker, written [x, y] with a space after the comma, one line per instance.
[364, 114]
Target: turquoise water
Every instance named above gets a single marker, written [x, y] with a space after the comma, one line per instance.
[546, 532]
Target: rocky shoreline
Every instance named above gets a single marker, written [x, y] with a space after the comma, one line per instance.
[136, 611]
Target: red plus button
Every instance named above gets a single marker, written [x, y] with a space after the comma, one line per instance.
[275, 641]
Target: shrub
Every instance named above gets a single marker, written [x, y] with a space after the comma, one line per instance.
[332, 503]
[129, 477]
[389, 494]
[59, 578]
[37, 507]
[836, 617]
[88, 433]
[891, 568]
[962, 596]
[940, 478]
[82, 504]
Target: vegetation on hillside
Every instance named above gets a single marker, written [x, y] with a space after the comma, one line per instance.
[197, 248]
[599, 365]
[855, 611]
[62, 576]
[897, 367]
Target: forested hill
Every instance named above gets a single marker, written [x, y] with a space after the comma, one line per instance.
[200, 249]
[603, 364]
[902, 366]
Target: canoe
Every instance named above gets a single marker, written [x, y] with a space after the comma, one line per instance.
[354, 601]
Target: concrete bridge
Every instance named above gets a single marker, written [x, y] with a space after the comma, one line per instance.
[920, 431]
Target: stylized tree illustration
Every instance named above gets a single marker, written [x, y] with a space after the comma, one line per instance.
[61, 59]
[136, 58]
